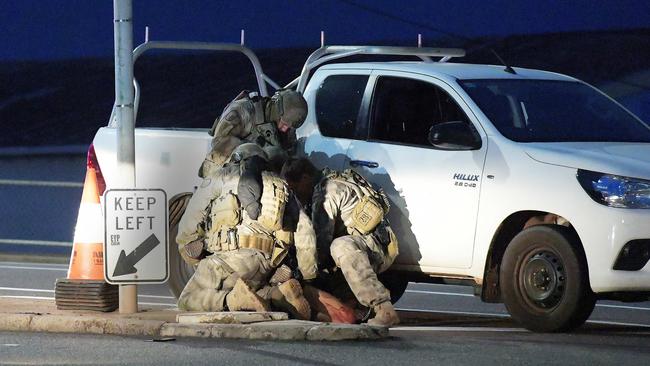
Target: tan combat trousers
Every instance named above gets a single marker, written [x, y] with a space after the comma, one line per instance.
[216, 275]
[361, 259]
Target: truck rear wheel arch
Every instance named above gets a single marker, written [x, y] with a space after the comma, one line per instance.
[508, 229]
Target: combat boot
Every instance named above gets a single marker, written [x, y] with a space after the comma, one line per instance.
[385, 315]
[289, 297]
[241, 297]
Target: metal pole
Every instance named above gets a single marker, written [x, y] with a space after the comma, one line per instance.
[124, 96]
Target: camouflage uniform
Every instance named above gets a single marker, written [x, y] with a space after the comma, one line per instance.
[250, 119]
[360, 257]
[216, 274]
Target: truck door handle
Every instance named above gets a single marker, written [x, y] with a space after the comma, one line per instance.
[368, 164]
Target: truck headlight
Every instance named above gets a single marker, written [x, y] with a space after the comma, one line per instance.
[615, 191]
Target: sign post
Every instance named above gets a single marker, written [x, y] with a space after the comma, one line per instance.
[136, 235]
[124, 99]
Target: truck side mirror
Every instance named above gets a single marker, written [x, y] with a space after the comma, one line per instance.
[454, 135]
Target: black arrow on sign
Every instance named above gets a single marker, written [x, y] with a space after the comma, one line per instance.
[125, 263]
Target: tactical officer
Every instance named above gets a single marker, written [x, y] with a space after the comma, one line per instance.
[235, 253]
[349, 219]
[268, 122]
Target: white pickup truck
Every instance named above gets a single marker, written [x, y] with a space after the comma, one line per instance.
[531, 186]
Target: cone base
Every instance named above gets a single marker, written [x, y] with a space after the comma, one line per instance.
[85, 295]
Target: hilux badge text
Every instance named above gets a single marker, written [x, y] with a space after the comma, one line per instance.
[465, 180]
[467, 177]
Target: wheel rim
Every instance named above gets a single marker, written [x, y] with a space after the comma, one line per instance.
[542, 279]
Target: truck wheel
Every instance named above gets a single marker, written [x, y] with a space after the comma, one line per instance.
[179, 271]
[544, 280]
[394, 284]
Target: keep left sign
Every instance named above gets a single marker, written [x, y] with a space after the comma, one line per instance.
[135, 236]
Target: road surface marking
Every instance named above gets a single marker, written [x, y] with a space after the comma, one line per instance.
[455, 312]
[622, 307]
[62, 269]
[159, 297]
[11, 345]
[40, 183]
[627, 307]
[460, 329]
[618, 323]
[439, 293]
[8, 263]
[24, 289]
[51, 298]
[20, 289]
[43, 243]
[156, 303]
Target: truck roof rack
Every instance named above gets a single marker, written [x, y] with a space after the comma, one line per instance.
[329, 53]
[261, 77]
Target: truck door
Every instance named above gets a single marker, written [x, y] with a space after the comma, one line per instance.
[334, 98]
[434, 193]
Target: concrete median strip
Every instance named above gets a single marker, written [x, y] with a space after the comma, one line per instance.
[42, 316]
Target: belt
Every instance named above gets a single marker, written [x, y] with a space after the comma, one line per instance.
[264, 244]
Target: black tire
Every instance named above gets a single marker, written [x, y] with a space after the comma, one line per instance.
[180, 272]
[544, 280]
[395, 284]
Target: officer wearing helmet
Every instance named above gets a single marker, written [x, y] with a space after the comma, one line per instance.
[268, 122]
[236, 243]
[353, 235]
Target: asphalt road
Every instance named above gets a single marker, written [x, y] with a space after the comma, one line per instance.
[464, 332]
[417, 348]
[40, 197]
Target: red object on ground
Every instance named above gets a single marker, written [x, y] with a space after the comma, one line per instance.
[328, 308]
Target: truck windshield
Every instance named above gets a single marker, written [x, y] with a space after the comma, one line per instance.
[554, 111]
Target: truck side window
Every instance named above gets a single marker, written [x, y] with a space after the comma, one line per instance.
[403, 110]
[338, 100]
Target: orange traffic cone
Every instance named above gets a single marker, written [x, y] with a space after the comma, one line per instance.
[87, 259]
[85, 288]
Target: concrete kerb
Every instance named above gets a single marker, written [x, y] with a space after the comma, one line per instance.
[79, 324]
[12, 319]
[286, 330]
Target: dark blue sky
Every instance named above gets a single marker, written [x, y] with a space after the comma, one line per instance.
[55, 29]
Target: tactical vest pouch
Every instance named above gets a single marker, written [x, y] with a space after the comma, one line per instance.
[224, 215]
[225, 212]
[280, 251]
[262, 243]
[392, 249]
[284, 236]
[283, 240]
[373, 205]
[275, 195]
[366, 215]
[212, 243]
